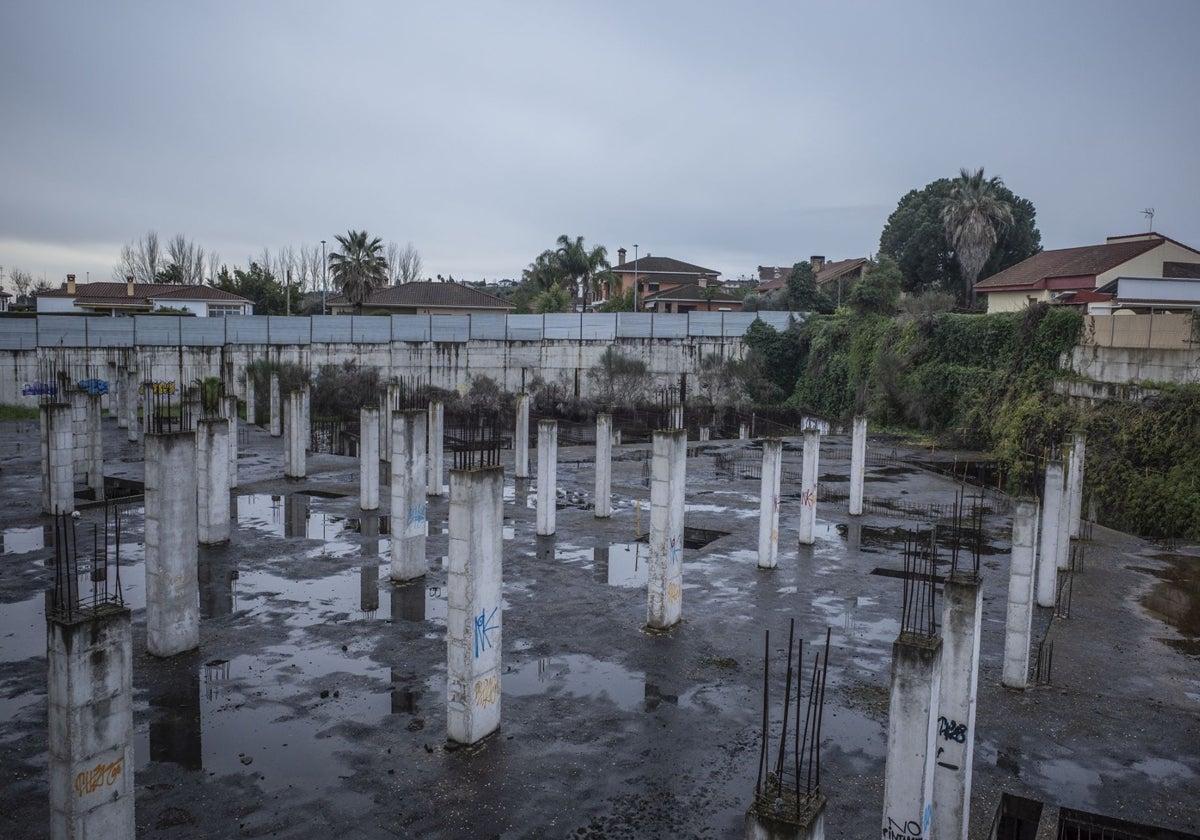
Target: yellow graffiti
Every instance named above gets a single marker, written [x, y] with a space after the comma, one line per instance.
[102, 774]
[158, 388]
[673, 593]
[487, 691]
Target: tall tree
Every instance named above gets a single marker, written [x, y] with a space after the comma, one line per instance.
[584, 269]
[360, 268]
[257, 285]
[404, 264]
[974, 216]
[916, 238]
[188, 257]
[802, 294]
[141, 258]
[22, 281]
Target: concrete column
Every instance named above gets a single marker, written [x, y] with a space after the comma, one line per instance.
[306, 408]
[764, 823]
[744, 431]
[231, 417]
[677, 416]
[147, 408]
[172, 589]
[58, 471]
[768, 504]
[191, 410]
[251, 417]
[276, 413]
[212, 480]
[912, 729]
[668, 471]
[547, 476]
[122, 380]
[603, 505]
[409, 466]
[521, 437]
[1018, 626]
[90, 716]
[858, 464]
[961, 616]
[386, 407]
[1047, 564]
[131, 406]
[1078, 458]
[474, 604]
[368, 458]
[705, 434]
[79, 436]
[437, 448]
[294, 463]
[808, 486]
[1062, 547]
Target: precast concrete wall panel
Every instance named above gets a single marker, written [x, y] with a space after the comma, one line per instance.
[668, 327]
[155, 329]
[61, 331]
[705, 323]
[284, 330]
[410, 328]
[736, 323]
[488, 327]
[332, 329]
[453, 328]
[634, 324]
[246, 329]
[19, 334]
[370, 329]
[524, 327]
[109, 332]
[560, 325]
[202, 332]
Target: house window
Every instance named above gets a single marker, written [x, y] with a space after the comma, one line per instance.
[220, 310]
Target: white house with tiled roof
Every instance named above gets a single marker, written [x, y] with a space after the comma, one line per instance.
[129, 298]
[424, 298]
[655, 275]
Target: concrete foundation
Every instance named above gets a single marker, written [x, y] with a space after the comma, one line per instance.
[276, 408]
[212, 477]
[768, 506]
[437, 449]
[1047, 563]
[172, 591]
[90, 714]
[231, 417]
[79, 436]
[547, 477]
[961, 617]
[408, 468]
[1078, 459]
[668, 471]
[121, 409]
[1019, 622]
[858, 464]
[368, 458]
[474, 609]
[705, 434]
[521, 437]
[306, 409]
[295, 464]
[251, 417]
[94, 447]
[744, 431]
[1062, 546]
[386, 407]
[58, 450]
[808, 486]
[912, 733]
[132, 401]
[603, 500]
[765, 822]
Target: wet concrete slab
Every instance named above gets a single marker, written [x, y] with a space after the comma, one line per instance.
[316, 703]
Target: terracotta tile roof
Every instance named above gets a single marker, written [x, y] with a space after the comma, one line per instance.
[689, 294]
[430, 294]
[114, 294]
[1087, 261]
[197, 293]
[833, 270]
[663, 265]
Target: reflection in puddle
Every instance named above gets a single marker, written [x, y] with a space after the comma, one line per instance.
[22, 540]
[291, 517]
[619, 564]
[577, 675]
[1175, 599]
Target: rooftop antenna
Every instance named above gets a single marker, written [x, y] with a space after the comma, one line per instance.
[1149, 214]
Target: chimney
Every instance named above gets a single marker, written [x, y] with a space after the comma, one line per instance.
[128, 285]
[70, 284]
[817, 263]
[620, 257]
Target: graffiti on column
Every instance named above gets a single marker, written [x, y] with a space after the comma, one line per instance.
[95, 387]
[484, 627]
[38, 389]
[676, 549]
[99, 776]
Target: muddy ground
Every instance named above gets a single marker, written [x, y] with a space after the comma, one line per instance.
[316, 703]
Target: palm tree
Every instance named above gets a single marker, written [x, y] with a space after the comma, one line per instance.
[973, 217]
[585, 270]
[360, 268]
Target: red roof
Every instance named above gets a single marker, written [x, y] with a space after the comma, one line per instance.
[116, 294]
[1088, 261]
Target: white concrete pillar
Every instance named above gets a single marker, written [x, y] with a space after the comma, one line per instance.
[231, 416]
[79, 436]
[521, 437]
[121, 382]
[306, 408]
[547, 477]
[191, 411]
[1062, 547]
[705, 434]
[409, 525]
[474, 604]
[368, 458]
[677, 416]
[386, 407]
[808, 486]
[1078, 459]
[961, 616]
[1018, 627]
[147, 407]
[276, 408]
[744, 431]
[172, 589]
[1047, 563]
[58, 444]
[858, 464]
[251, 417]
[768, 504]
[212, 481]
[911, 736]
[132, 399]
[437, 448]
[668, 471]
[90, 716]
[603, 501]
[294, 462]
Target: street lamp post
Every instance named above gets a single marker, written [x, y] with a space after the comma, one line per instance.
[635, 277]
[324, 277]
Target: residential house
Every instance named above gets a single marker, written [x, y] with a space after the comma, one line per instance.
[1146, 295]
[424, 298]
[5, 298]
[833, 278]
[1057, 275]
[129, 298]
[704, 296]
[655, 275]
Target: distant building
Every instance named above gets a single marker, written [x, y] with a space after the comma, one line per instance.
[1059, 275]
[129, 298]
[424, 298]
[833, 278]
[1142, 295]
[5, 297]
[655, 275]
[693, 297]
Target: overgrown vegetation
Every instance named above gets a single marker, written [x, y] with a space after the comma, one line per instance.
[340, 391]
[292, 377]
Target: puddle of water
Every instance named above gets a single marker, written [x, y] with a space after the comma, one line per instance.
[577, 675]
[24, 540]
[1175, 599]
[740, 512]
[23, 629]
[292, 516]
[1074, 785]
[355, 594]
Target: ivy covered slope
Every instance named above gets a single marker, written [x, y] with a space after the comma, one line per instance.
[985, 382]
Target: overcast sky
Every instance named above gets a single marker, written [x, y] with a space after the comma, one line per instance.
[725, 134]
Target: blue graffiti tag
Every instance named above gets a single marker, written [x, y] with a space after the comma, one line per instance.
[416, 516]
[676, 548]
[38, 389]
[95, 387]
[483, 626]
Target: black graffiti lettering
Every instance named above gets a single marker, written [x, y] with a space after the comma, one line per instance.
[952, 730]
[910, 830]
